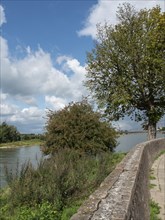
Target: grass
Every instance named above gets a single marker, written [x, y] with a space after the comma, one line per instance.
[57, 188]
[22, 143]
[161, 153]
[154, 210]
[152, 185]
[152, 177]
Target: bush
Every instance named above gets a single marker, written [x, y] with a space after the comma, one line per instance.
[77, 126]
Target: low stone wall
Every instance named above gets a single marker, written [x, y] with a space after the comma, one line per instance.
[124, 194]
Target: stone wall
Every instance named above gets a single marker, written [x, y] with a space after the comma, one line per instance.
[124, 194]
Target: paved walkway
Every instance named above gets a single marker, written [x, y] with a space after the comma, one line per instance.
[158, 191]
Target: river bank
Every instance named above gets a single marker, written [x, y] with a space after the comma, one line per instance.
[79, 175]
[16, 144]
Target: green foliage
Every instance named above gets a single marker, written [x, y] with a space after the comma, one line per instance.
[163, 129]
[69, 211]
[45, 211]
[8, 133]
[154, 210]
[77, 126]
[126, 69]
[57, 187]
[32, 136]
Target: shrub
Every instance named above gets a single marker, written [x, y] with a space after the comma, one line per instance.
[77, 126]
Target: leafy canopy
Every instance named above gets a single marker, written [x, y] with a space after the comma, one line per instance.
[8, 133]
[77, 126]
[126, 69]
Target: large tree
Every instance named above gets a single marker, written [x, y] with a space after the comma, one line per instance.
[78, 127]
[126, 68]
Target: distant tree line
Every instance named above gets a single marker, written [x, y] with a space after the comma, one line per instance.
[9, 133]
[32, 136]
[162, 129]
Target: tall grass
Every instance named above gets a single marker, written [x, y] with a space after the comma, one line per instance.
[58, 185]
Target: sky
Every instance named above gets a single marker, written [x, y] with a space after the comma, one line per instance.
[43, 46]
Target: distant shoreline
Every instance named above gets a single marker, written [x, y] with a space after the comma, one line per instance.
[17, 144]
[137, 132]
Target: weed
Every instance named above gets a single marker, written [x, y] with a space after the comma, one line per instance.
[152, 185]
[154, 210]
[152, 177]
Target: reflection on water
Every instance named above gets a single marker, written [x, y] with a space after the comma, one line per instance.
[14, 158]
[126, 142]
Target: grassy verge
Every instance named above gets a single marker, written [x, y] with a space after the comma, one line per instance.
[57, 188]
[22, 143]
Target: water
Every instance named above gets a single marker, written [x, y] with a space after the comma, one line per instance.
[126, 142]
[14, 158]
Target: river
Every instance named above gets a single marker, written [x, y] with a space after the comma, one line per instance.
[13, 158]
[126, 142]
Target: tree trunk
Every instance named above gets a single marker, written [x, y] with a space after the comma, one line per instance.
[151, 130]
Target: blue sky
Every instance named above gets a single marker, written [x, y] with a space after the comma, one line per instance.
[43, 55]
[51, 24]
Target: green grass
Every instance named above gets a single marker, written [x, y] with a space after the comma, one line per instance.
[161, 153]
[22, 143]
[57, 188]
[154, 210]
[152, 177]
[152, 185]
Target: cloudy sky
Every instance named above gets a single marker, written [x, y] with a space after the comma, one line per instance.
[43, 47]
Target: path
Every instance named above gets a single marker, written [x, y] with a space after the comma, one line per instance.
[158, 191]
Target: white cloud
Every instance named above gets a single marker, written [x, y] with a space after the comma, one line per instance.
[24, 80]
[77, 78]
[2, 16]
[29, 115]
[28, 118]
[7, 109]
[55, 102]
[29, 100]
[61, 59]
[106, 11]
[35, 74]
[3, 96]
[31, 112]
